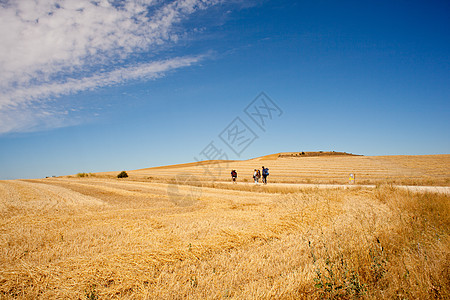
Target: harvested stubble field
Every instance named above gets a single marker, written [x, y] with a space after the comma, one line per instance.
[102, 238]
[402, 169]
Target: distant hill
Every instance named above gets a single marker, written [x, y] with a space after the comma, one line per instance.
[310, 167]
[317, 153]
[305, 154]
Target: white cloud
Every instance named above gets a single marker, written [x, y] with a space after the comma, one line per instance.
[57, 47]
[148, 71]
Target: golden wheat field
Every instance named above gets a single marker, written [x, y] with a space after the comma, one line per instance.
[180, 233]
[335, 169]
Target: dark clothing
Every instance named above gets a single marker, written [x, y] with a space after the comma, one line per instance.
[265, 173]
[264, 178]
[233, 175]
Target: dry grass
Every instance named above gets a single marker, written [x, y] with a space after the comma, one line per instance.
[97, 238]
[428, 170]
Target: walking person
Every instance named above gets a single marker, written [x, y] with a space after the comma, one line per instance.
[233, 175]
[255, 176]
[265, 173]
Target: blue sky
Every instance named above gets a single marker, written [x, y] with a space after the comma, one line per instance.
[120, 85]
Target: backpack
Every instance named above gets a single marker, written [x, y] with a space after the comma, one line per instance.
[266, 171]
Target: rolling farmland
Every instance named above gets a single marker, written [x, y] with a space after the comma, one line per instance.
[150, 237]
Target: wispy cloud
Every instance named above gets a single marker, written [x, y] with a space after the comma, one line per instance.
[58, 47]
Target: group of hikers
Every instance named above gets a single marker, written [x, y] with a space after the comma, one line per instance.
[256, 175]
